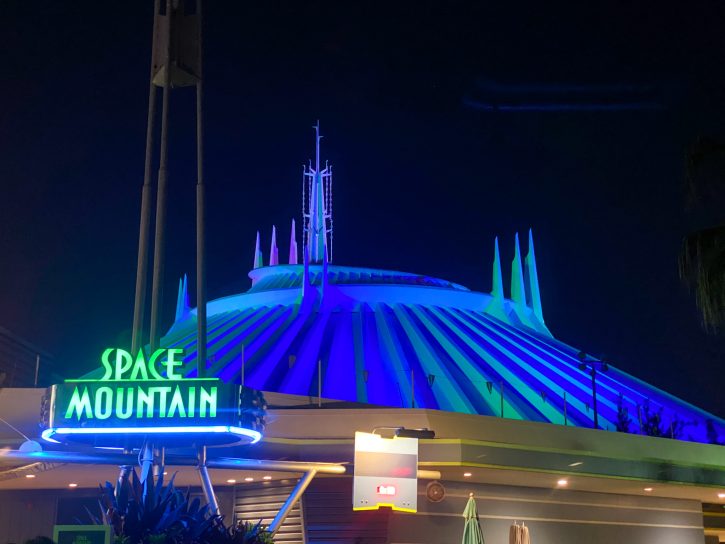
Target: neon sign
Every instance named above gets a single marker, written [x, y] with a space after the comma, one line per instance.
[145, 395]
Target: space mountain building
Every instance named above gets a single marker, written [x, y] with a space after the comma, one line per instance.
[388, 338]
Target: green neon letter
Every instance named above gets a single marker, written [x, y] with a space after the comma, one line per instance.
[139, 367]
[163, 392]
[123, 363]
[124, 410]
[172, 363]
[177, 404]
[152, 364]
[104, 402]
[192, 401]
[146, 399]
[80, 403]
[207, 398]
[108, 369]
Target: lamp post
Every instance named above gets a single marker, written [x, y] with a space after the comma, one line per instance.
[593, 365]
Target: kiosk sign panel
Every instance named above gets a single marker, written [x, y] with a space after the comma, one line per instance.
[82, 534]
[143, 395]
[386, 473]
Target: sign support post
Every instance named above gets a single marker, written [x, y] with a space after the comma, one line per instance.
[206, 484]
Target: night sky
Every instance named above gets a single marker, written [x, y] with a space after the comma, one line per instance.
[423, 180]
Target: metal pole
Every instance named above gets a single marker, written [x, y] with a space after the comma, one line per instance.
[319, 383]
[147, 461]
[501, 398]
[200, 223]
[412, 388]
[37, 369]
[206, 484]
[594, 396]
[159, 460]
[145, 221]
[291, 500]
[123, 473]
[242, 365]
[565, 418]
[158, 273]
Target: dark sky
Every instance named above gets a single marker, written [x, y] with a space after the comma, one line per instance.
[423, 182]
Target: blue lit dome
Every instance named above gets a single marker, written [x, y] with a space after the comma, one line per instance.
[400, 339]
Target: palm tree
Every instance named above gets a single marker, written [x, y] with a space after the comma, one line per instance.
[702, 257]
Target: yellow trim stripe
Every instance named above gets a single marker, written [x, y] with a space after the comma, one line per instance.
[562, 472]
[388, 504]
[574, 521]
[575, 503]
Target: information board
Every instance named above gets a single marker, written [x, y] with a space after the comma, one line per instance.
[386, 473]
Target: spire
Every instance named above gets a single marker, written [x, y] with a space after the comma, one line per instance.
[497, 287]
[325, 279]
[273, 251]
[293, 245]
[182, 300]
[534, 295]
[258, 254]
[317, 212]
[517, 276]
[306, 284]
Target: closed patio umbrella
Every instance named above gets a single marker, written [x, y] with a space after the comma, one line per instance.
[525, 538]
[519, 534]
[471, 530]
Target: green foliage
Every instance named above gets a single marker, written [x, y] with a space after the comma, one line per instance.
[253, 409]
[154, 513]
[712, 436]
[623, 419]
[244, 533]
[652, 421]
[40, 540]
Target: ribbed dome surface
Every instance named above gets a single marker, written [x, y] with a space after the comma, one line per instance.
[384, 337]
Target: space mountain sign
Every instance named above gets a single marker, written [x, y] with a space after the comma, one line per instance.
[137, 397]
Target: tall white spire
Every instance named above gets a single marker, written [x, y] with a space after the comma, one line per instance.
[293, 244]
[518, 293]
[534, 295]
[273, 251]
[317, 212]
[497, 287]
[182, 300]
[258, 254]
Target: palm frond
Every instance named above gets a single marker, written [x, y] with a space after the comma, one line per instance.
[705, 171]
[702, 268]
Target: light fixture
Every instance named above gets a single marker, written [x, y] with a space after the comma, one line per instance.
[72, 485]
[248, 479]
[649, 489]
[578, 463]
[721, 495]
[267, 478]
[562, 483]
[50, 434]
[30, 475]
[231, 481]
[467, 474]
[402, 432]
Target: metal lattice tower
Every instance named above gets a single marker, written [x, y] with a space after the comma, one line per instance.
[317, 206]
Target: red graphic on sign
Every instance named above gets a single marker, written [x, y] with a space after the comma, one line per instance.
[386, 490]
